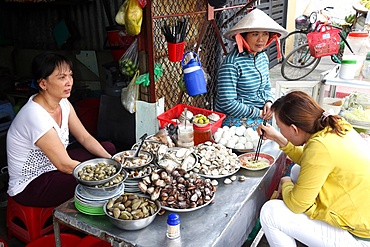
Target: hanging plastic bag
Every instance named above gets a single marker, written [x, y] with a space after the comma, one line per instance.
[120, 16]
[130, 94]
[133, 17]
[128, 63]
[144, 78]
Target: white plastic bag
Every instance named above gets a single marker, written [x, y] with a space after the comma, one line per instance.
[130, 94]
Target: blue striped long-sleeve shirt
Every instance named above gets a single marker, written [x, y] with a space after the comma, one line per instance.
[243, 85]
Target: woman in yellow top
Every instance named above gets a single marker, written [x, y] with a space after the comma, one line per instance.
[329, 203]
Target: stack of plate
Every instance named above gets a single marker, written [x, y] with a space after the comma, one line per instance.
[131, 185]
[90, 204]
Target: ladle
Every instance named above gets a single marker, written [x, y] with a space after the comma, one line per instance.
[136, 154]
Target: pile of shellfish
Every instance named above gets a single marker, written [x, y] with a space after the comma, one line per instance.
[156, 148]
[175, 188]
[131, 207]
[97, 172]
[215, 160]
[141, 172]
[124, 158]
[178, 158]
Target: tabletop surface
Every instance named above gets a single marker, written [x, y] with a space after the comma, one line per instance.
[225, 222]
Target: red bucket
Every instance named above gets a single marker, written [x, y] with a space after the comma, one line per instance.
[119, 41]
[175, 51]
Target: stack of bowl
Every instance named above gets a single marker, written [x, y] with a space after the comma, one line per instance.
[99, 180]
[136, 168]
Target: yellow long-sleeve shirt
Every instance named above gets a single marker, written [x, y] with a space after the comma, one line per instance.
[334, 181]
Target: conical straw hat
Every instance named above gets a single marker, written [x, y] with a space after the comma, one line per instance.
[256, 20]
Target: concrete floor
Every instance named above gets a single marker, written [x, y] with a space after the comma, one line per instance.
[275, 75]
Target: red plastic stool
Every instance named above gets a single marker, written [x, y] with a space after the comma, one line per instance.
[27, 223]
[66, 239]
[91, 241]
[2, 241]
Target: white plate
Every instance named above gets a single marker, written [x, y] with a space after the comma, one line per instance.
[219, 176]
[177, 210]
[251, 155]
[83, 194]
[88, 202]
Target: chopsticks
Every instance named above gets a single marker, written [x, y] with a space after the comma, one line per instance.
[260, 142]
[175, 34]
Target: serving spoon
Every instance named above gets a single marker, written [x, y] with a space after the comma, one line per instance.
[136, 154]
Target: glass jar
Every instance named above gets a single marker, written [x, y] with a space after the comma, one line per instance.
[202, 134]
[185, 135]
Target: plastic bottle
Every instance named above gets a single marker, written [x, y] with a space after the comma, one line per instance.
[366, 68]
[347, 69]
[359, 42]
[173, 226]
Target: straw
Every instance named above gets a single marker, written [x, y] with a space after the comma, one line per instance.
[260, 143]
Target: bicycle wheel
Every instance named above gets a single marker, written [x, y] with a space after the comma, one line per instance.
[294, 39]
[299, 63]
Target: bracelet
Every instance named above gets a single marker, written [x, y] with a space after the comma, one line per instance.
[269, 101]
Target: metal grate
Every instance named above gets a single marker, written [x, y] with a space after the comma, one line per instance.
[210, 49]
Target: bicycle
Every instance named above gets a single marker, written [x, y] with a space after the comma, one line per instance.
[304, 24]
[300, 62]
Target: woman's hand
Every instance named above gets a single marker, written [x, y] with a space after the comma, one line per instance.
[266, 112]
[272, 134]
[282, 181]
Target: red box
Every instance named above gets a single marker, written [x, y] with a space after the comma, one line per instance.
[175, 112]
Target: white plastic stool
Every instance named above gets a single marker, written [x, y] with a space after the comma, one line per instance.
[297, 85]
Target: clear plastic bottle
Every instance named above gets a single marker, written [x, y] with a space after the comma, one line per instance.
[366, 68]
[173, 226]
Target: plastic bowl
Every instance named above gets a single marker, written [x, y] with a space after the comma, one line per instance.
[132, 224]
[329, 107]
[93, 163]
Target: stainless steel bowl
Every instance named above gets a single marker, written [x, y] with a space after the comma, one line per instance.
[132, 224]
[94, 162]
[101, 190]
[133, 163]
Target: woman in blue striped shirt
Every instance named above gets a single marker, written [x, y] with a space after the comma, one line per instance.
[243, 86]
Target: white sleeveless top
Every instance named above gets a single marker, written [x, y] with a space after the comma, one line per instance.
[26, 161]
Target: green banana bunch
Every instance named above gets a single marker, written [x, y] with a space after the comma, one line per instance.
[350, 18]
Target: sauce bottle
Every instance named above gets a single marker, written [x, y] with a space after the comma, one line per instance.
[202, 134]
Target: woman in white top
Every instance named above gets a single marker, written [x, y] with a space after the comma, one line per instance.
[40, 168]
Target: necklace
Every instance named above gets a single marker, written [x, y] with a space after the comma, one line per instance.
[53, 109]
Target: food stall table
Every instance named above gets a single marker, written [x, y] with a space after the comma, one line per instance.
[226, 222]
[332, 79]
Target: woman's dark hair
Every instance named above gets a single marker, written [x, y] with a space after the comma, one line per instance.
[301, 109]
[45, 63]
